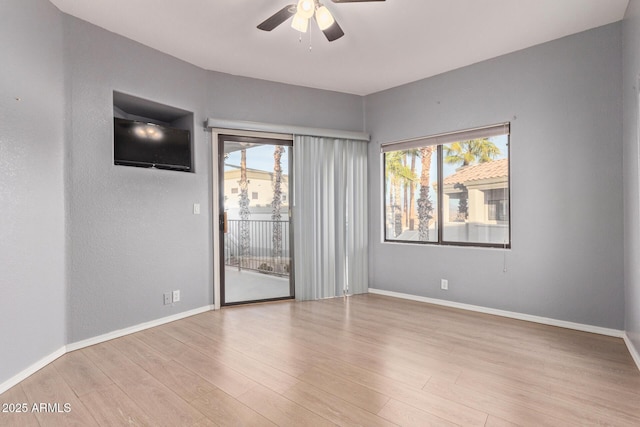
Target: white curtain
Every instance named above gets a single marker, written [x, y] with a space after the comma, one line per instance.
[330, 217]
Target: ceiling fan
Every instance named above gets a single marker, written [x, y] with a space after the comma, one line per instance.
[302, 13]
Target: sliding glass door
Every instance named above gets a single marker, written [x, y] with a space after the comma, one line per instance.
[256, 231]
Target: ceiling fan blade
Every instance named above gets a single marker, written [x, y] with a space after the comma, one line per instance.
[334, 32]
[278, 18]
[353, 1]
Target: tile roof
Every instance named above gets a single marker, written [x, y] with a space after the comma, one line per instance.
[492, 169]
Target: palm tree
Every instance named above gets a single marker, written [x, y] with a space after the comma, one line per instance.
[405, 189]
[412, 187]
[467, 152]
[463, 205]
[243, 202]
[276, 204]
[397, 174]
[425, 207]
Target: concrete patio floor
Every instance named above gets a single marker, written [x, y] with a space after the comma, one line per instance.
[248, 285]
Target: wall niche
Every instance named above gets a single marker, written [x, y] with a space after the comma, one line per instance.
[149, 134]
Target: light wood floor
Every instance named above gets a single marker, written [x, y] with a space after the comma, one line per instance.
[368, 360]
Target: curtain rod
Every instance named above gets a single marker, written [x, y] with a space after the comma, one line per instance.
[286, 129]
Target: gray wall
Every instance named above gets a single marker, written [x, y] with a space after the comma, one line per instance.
[630, 90]
[566, 157]
[32, 218]
[132, 232]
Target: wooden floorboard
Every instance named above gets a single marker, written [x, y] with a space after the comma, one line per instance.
[366, 360]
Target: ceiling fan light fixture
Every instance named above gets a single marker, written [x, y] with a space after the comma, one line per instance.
[324, 18]
[300, 23]
[302, 11]
[306, 8]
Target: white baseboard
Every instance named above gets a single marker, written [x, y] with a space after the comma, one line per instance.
[136, 328]
[511, 314]
[96, 340]
[21, 376]
[632, 349]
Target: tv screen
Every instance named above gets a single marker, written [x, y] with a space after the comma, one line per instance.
[149, 145]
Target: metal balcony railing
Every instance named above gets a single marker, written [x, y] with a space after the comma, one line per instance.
[259, 250]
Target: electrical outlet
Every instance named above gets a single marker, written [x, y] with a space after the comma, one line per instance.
[444, 284]
[167, 298]
[176, 296]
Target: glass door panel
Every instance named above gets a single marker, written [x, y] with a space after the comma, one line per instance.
[256, 242]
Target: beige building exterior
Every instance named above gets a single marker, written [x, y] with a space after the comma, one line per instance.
[260, 190]
[487, 185]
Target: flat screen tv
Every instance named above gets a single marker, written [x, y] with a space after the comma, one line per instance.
[149, 145]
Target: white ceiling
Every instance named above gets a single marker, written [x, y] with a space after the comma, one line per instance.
[386, 44]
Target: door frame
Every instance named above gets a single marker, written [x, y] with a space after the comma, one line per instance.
[217, 237]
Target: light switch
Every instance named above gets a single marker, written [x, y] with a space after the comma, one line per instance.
[196, 208]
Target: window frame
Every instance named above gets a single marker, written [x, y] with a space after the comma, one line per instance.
[405, 145]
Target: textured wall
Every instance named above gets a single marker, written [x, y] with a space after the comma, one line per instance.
[631, 89]
[566, 161]
[32, 221]
[132, 232]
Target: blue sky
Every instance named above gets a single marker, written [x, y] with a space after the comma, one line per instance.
[259, 157]
[499, 141]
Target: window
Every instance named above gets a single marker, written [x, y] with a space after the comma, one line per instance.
[498, 210]
[450, 189]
